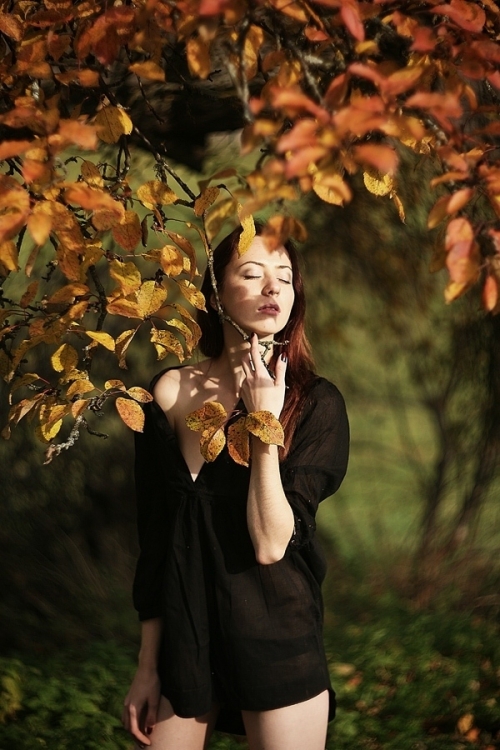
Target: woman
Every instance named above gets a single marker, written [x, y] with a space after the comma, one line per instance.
[228, 580]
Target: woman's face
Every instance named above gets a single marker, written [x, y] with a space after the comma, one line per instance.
[257, 292]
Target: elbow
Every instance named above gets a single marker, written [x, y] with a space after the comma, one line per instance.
[270, 556]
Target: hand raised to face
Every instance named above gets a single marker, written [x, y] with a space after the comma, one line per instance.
[259, 391]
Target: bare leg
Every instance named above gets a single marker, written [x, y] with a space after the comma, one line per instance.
[291, 728]
[172, 732]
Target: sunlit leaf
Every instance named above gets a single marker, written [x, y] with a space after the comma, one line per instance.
[211, 415]
[192, 294]
[128, 231]
[198, 57]
[148, 70]
[131, 413]
[155, 193]
[265, 426]
[112, 123]
[248, 232]
[186, 248]
[8, 256]
[376, 183]
[122, 343]
[64, 358]
[211, 444]
[150, 298]
[102, 338]
[140, 394]
[127, 275]
[490, 293]
[205, 200]
[238, 442]
[78, 387]
[166, 343]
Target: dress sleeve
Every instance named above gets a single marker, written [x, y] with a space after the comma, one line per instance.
[151, 523]
[317, 462]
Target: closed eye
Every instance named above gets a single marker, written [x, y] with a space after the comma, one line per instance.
[285, 281]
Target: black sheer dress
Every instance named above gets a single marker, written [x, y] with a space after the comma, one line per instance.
[244, 635]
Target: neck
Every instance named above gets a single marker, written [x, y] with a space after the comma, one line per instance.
[228, 367]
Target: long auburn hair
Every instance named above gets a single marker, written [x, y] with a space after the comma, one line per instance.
[300, 368]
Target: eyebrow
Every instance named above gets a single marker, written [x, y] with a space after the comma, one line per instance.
[256, 263]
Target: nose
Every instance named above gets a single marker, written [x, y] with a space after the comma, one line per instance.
[271, 287]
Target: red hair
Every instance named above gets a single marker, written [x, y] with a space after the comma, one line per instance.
[300, 368]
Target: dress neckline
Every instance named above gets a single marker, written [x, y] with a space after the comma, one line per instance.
[184, 463]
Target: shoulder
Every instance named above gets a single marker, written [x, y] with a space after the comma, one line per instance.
[322, 392]
[175, 384]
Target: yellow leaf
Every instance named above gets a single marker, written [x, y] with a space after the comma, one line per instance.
[65, 358]
[238, 442]
[330, 187]
[205, 200]
[454, 290]
[248, 233]
[140, 394]
[217, 216]
[465, 723]
[112, 123]
[68, 293]
[171, 260]
[131, 413]
[26, 379]
[79, 386]
[102, 338]
[186, 248]
[91, 174]
[150, 298]
[39, 226]
[104, 219]
[128, 232]
[78, 407]
[126, 307]
[148, 70]
[155, 193]
[109, 384]
[399, 205]
[8, 255]
[211, 444]
[265, 426]
[211, 415]
[198, 57]
[192, 294]
[165, 343]
[127, 275]
[49, 432]
[187, 332]
[122, 344]
[377, 183]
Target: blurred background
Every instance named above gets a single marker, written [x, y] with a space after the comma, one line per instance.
[412, 595]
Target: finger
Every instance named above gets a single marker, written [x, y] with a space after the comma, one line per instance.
[151, 717]
[134, 728]
[125, 718]
[280, 370]
[245, 364]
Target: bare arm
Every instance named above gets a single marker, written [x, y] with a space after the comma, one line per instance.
[269, 515]
[142, 700]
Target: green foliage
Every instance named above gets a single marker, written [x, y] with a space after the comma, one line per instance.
[405, 680]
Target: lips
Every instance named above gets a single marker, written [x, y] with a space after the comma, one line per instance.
[270, 307]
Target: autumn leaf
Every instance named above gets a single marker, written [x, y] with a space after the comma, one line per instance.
[211, 444]
[149, 70]
[128, 231]
[248, 232]
[150, 298]
[140, 394]
[9, 256]
[122, 343]
[205, 200]
[192, 294]
[64, 358]
[78, 387]
[39, 226]
[265, 426]
[198, 57]
[186, 248]
[166, 343]
[102, 338]
[127, 275]
[114, 383]
[112, 123]
[376, 183]
[155, 193]
[212, 415]
[131, 413]
[238, 442]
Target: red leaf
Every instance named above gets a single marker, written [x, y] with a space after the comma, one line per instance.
[383, 158]
[468, 15]
[351, 18]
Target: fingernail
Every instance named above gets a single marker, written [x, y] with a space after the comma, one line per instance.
[284, 358]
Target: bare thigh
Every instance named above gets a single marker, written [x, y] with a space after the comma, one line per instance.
[295, 727]
[171, 732]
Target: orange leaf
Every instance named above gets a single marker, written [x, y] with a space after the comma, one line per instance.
[121, 345]
[198, 57]
[186, 248]
[468, 15]
[166, 343]
[128, 232]
[490, 293]
[140, 394]
[148, 70]
[78, 134]
[238, 442]
[39, 226]
[13, 148]
[351, 17]
[112, 123]
[383, 158]
[211, 444]
[211, 415]
[265, 426]
[131, 413]
[127, 275]
[8, 256]
[12, 26]
[91, 198]
[155, 193]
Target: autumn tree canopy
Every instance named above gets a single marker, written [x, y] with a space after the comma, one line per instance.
[321, 90]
